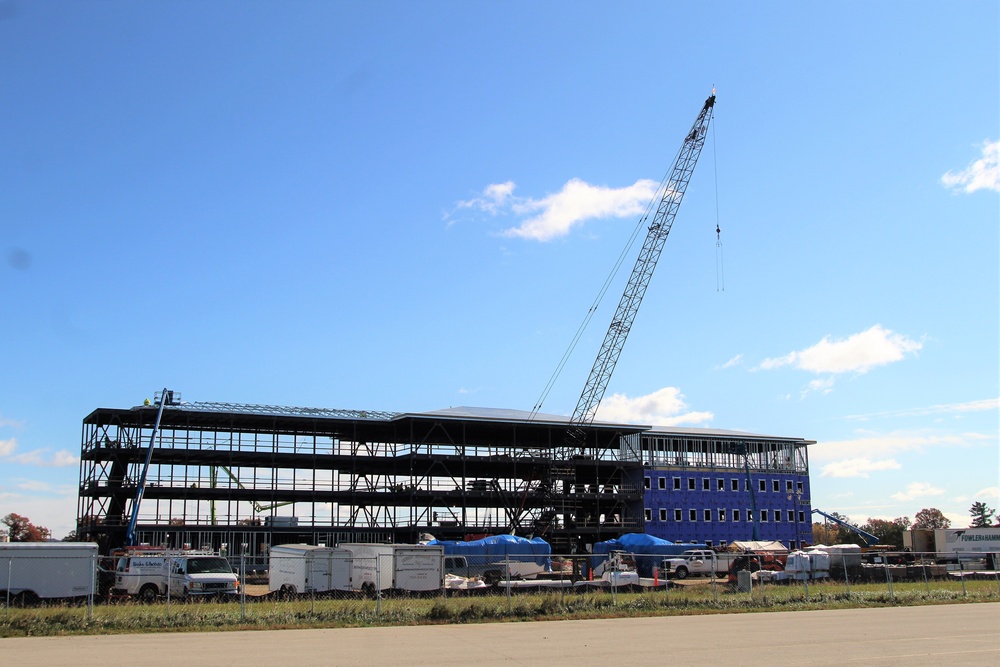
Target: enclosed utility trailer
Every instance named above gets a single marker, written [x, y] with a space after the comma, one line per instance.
[34, 571]
[404, 567]
[307, 568]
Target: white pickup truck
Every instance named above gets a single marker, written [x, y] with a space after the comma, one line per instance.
[524, 567]
[697, 562]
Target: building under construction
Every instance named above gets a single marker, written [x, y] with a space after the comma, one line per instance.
[246, 477]
[243, 477]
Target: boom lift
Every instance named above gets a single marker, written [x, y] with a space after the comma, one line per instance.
[868, 538]
[165, 398]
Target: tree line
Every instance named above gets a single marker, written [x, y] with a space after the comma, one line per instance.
[890, 532]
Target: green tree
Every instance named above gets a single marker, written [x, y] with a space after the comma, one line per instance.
[889, 533]
[20, 529]
[930, 518]
[981, 515]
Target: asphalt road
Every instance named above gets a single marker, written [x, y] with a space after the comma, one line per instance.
[953, 635]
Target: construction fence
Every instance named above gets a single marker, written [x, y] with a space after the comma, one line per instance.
[330, 587]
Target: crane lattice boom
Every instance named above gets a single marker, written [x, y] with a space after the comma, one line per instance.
[670, 200]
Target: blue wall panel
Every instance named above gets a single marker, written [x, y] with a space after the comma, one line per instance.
[783, 506]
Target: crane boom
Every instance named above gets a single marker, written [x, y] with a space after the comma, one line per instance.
[670, 200]
[866, 536]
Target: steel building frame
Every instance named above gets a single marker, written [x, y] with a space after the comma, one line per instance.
[242, 477]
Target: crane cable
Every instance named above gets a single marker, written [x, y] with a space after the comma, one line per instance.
[639, 227]
[720, 273]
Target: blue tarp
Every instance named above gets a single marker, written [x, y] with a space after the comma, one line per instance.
[496, 548]
[648, 550]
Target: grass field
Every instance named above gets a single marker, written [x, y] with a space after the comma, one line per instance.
[307, 612]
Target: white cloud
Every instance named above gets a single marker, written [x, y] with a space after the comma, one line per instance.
[64, 458]
[981, 174]
[948, 408]
[822, 385]
[859, 467]
[43, 486]
[12, 423]
[990, 493]
[494, 198]
[886, 444]
[857, 353]
[33, 458]
[555, 215]
[735, 361]
[917, 490]
[576, 202]
[61, 459]
[55, 508]
[664, 407]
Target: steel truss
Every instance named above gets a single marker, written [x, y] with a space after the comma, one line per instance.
[228, 474]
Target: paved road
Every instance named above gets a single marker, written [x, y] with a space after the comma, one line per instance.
[953, 635]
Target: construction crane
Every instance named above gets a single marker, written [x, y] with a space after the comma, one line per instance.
[668, 199]
[614, 340]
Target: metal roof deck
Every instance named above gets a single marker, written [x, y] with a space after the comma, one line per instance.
[485, 417]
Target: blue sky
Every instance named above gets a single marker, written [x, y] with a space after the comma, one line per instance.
[411, 206]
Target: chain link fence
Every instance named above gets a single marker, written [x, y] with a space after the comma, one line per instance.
[330, 586]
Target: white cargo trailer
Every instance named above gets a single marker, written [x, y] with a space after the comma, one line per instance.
[33, 571]
[371, 566]
[307, 568]
[405, 567]
[418, 568]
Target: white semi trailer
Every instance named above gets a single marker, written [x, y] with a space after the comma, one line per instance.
[34, 571]
[957, 544]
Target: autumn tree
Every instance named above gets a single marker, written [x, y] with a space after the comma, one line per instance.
[930, 518]
[831, 532]
[981, 515]
[825, 533]
[888, 532]
[20, 529]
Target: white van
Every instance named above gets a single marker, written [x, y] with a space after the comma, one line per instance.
[146, 574]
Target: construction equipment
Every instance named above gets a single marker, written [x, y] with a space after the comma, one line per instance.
[614, 340]
[740, 449]
[868, 538]
[165, 398]
[560, 477]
